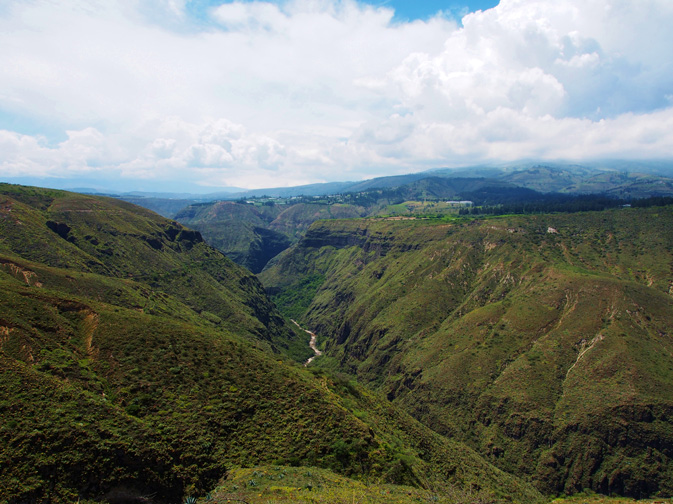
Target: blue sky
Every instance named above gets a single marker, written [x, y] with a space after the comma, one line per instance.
[410, 10]
[177, 93]
[405, 10]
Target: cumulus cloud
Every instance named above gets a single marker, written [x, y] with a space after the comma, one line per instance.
[260, 93]
[539, 78]
[218, 148]
[83, 151]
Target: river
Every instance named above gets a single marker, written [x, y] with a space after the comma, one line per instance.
[311, 343]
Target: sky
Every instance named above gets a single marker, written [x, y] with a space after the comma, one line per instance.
[152, 94]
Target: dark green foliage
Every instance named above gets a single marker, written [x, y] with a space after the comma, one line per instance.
[237, 229]
[295, 299]
[494, 202]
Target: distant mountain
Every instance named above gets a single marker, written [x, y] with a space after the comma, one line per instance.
[288, 192]
[623, 185]
[577, 171]
[166, 207]
[385, 182]
[252, 242]
[541, 176]
[545, 178]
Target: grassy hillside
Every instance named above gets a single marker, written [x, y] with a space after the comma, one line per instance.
[136, 362]
[239, 230]
[543, 342]
[297, 218]
[112, 238]
[283, 484]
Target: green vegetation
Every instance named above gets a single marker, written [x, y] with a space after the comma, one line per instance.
[559, 203]
[239, 230]
[137, 361]
[295, 300]
[591, 498]
[541, 341]
[283, 484]
[253, 233]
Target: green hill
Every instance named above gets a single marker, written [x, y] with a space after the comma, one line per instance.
[137, 363]
[297, 218]
[252, 234]
[239, 230]
[544, 342]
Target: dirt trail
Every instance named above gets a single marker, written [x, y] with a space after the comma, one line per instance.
[311, 343]
[4, 335]
[90, 326]
[584, 348]
[30, 277]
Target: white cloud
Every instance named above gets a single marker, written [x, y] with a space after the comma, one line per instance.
[309, 90]
[83, 151]
[219, 148]
[252, 16]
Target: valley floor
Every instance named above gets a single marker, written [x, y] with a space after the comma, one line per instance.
[309, 485]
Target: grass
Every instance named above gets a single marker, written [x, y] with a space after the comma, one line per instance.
[251, 235]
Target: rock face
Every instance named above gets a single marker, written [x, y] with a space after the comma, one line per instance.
[549, 353]
[266, 245]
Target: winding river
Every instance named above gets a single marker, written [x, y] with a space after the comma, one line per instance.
[311, 343]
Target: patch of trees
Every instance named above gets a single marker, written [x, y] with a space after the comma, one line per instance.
[488, 203]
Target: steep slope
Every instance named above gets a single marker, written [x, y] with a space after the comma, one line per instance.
[137, 363]
[542, 341]
[252, 234]
[240, 231]
[116, 239]
[297, 218]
